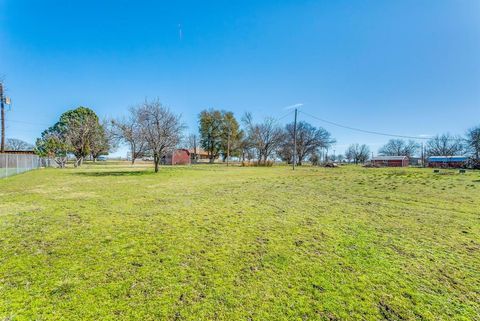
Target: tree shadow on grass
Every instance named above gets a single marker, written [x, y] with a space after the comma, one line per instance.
[114, 173]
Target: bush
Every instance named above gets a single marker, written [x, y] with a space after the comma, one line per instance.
[315, 159]
[268, 163]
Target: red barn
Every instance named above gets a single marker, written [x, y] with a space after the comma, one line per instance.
[177, 157]
[390, 161]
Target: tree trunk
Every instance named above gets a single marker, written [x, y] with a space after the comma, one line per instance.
[156, 160]
[78, 162]
[263, 160]
[132, 150]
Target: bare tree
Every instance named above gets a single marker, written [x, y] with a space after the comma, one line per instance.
[473, 141]
[103, 141]
[445, 145]
[285, 151]
[358, 153]
[18, 145]
[400, 147]
[128, 131]
[160, 128]
[247, 150]
[309, 140]
[349, 155]
[315, 159]
[190, 142]
[265, 137]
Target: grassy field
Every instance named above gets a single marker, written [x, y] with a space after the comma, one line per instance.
[110, 242]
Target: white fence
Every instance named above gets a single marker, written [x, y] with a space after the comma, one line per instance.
[12, 164]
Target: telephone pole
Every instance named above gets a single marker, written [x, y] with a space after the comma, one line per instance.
[295, 140]
[194, 149]
[228, 149]
[2, 147]
[423, 155]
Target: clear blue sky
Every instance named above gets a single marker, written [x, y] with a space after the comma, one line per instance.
[404, 67]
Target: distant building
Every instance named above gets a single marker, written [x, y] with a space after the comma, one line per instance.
[390, 161]
[447, 161]
[415, 161]
[177, 157]
[200, 153]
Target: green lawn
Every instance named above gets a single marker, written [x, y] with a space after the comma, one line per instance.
[110, 242]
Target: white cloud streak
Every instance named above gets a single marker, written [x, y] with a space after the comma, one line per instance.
[298, 105]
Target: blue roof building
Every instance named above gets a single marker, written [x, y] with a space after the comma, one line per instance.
[447, 161]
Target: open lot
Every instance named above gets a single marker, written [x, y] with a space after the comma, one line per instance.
[111, 242]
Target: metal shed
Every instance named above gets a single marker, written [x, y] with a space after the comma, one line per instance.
[447, 161]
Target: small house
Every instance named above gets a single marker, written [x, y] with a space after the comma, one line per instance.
[447, 161]
[390, 161]
[198, 154]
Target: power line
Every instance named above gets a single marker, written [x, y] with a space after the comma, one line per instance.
[363, 130]
[287, 114]
[24, 122]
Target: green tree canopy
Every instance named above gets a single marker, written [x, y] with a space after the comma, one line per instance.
[79, 127]
[78, 131]
[217, 127]
[52, 145]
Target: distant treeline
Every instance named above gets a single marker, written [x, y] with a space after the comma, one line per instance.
[151, 129]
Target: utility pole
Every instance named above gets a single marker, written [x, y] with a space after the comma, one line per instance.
[228, 148]
[423, 155]
[2, 147]
[194, 149]
[295, 140]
